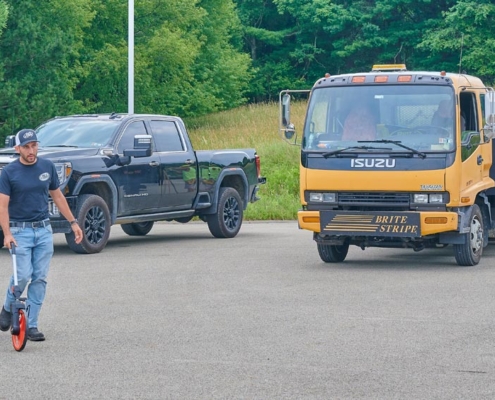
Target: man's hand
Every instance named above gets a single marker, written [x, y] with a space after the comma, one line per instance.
[77, 232]
[8, 240]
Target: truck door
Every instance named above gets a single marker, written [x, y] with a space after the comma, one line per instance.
[138, 182]
[178, 167]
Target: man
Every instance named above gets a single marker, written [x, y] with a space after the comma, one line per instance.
[24, 218]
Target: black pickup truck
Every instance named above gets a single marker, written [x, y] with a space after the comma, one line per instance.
[136, 169]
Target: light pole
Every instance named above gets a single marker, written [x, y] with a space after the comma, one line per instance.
[130, 84]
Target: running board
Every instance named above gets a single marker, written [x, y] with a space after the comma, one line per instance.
[129, 219]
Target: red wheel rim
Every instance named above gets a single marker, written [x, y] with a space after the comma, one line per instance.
[19, 341]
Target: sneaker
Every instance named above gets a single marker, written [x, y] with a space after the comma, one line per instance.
[35, 335]
[5, 320]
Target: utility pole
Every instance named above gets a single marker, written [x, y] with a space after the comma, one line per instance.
[130, 90]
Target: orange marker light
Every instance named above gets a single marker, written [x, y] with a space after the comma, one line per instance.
[404, 78]
[358, 79]
[381, 78]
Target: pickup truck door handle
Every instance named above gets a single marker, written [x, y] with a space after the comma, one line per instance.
[480, 160]
[189, 161]
[154, 164]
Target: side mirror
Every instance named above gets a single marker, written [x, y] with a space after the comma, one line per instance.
[489, 113]
[142, 147]
[10, 141]
[289, 131]
[286, 110]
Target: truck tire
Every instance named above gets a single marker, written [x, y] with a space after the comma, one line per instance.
[469, 253]
[1, 239]
[94, 219]
[227, 221]
[332, 253]
[138, 229]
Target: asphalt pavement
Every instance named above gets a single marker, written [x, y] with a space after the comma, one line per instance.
[178, 314]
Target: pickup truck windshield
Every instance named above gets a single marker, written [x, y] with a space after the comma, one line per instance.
[77, 132]
[420, 117]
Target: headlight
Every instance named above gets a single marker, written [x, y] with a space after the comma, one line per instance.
[436, 198]
[322, 197]
[421, 198]
[63, 171]
[429, 198]
[316, 197]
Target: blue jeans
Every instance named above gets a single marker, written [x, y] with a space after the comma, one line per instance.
[33, 254]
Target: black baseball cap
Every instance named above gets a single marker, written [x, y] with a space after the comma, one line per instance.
[25, 136]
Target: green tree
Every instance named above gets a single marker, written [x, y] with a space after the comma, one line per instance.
[301, 40]
[40, 63]
[187, 59]
[465, 39]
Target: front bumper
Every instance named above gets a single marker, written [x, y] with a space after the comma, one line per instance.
[374, 223]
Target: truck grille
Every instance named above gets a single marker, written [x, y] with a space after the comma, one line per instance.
[385, 199]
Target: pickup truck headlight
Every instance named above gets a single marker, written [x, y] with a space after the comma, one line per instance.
[63, 171]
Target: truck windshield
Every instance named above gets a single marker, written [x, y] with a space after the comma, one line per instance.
[77, 132]
[420, 117]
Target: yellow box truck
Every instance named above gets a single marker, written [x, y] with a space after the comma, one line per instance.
[398, 159]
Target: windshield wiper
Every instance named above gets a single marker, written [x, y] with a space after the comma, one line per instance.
[332, 153]
[396, 142]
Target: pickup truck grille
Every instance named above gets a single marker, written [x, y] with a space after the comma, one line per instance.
[386, 199]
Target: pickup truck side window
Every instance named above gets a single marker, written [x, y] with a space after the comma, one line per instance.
[127, 138]
[166, 136]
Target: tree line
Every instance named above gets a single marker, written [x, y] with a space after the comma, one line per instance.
[196, 57]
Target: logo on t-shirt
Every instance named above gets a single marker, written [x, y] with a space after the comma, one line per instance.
[44, 176]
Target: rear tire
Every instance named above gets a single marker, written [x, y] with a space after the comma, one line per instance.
[332, 253]
[469, 253]
[227, 221]
[138, 229]
[94, 219]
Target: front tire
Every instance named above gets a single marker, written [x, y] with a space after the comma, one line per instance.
[138, 229]
[469, 253]
[94, 219]
[227, 221]
[333, 253]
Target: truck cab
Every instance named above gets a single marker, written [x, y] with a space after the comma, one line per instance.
[396, 158]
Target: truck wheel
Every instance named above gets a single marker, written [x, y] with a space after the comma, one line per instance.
[94, 219]
[138, 229]
[1, 239]
[332, 253]
[469, 254]
[227, 221]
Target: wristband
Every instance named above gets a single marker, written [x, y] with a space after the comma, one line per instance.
[73, 222]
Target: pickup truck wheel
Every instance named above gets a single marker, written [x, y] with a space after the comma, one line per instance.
[469, 253]
[332, 253]
[94, 219]
[1, 239]
[138, 229]
[227, 222]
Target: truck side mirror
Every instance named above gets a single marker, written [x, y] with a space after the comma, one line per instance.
[489, 128]
[286, 110]
[10, 141]
[142, 147]
[289, 131]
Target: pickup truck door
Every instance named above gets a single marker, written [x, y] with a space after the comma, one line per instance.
[178, 166]
[138, 182]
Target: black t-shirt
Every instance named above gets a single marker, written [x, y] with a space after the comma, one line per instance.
[28, 186]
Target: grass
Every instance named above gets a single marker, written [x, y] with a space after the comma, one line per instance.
[256, 126]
